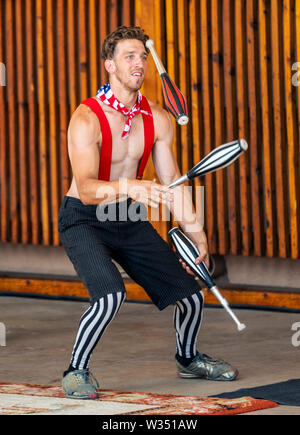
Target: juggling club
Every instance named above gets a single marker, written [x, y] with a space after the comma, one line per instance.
[220, 157]
[174, 99]
[188, 252]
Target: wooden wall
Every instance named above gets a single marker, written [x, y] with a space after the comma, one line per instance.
[233, 59]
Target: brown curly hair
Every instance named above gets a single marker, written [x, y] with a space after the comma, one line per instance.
[122, 32]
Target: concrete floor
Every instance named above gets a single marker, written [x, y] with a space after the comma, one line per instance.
[137, 351]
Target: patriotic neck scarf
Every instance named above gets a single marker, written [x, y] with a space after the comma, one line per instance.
[106, 95]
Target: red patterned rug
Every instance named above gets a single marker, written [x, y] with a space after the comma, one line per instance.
[46, 399]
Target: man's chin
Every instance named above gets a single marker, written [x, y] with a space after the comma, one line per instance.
[136, 86]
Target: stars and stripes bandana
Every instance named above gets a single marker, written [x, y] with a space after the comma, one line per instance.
[107, 96]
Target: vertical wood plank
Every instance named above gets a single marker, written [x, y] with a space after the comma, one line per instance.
[229, 72]
[63, 101]
[126, 12]
[210, 216]
[103, 33]
[83, 74]
[93, 58]
[278, 117]
[218, 123]
[183, 81]
[52, 98]
[293, 149]
[12, 121]
[264, 84]
[3, 138]
[297, 144]
[195, 84]
[21, 113]
[242, 122]
[253, 134]
[159, 44]
[297, 31]
[72, 70]
[42, 107]
[113, 15]
[32, 127]
[195, 104]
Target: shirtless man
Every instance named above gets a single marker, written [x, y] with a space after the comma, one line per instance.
[107, 138]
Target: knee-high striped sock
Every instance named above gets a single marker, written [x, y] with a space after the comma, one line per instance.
[187, 322]
[92, 325]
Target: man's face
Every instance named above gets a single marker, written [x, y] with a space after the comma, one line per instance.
[129, 64]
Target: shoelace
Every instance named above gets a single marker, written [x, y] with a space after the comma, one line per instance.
[86, 375]
[203, 356]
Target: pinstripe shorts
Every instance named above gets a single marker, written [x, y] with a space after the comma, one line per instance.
[91, 244]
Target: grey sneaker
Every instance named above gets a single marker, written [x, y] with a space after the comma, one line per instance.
[205, 367]
[78, 385]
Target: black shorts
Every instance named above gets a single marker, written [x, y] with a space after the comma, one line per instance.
[91, 244]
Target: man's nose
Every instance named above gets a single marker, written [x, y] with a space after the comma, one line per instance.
[139, 62]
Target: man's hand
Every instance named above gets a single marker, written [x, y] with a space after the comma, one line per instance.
[201, 244]
[148, 192]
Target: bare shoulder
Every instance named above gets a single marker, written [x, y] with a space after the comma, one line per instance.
[159, 113]
[84, 125]
[162, 120]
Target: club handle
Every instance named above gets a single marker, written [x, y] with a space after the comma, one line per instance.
[180, 180]
[225, 304]
[159, 65]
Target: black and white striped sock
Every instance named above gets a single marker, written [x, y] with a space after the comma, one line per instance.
[187, 322]
[92, 325]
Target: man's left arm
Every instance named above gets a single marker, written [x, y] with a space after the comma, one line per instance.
[167, 170]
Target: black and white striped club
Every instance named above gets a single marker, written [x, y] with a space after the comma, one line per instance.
[188, 252]
[219, 158]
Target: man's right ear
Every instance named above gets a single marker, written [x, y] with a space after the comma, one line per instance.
[109, 66]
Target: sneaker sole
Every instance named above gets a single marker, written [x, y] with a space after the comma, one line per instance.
[90, 396]
[192, 376]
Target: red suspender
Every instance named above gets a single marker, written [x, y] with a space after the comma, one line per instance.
[106, 146]
[149, 137]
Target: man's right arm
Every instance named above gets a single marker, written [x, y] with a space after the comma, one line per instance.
[83, 142]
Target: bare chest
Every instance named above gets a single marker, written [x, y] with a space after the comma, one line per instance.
[131, 148]
[126, 153]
